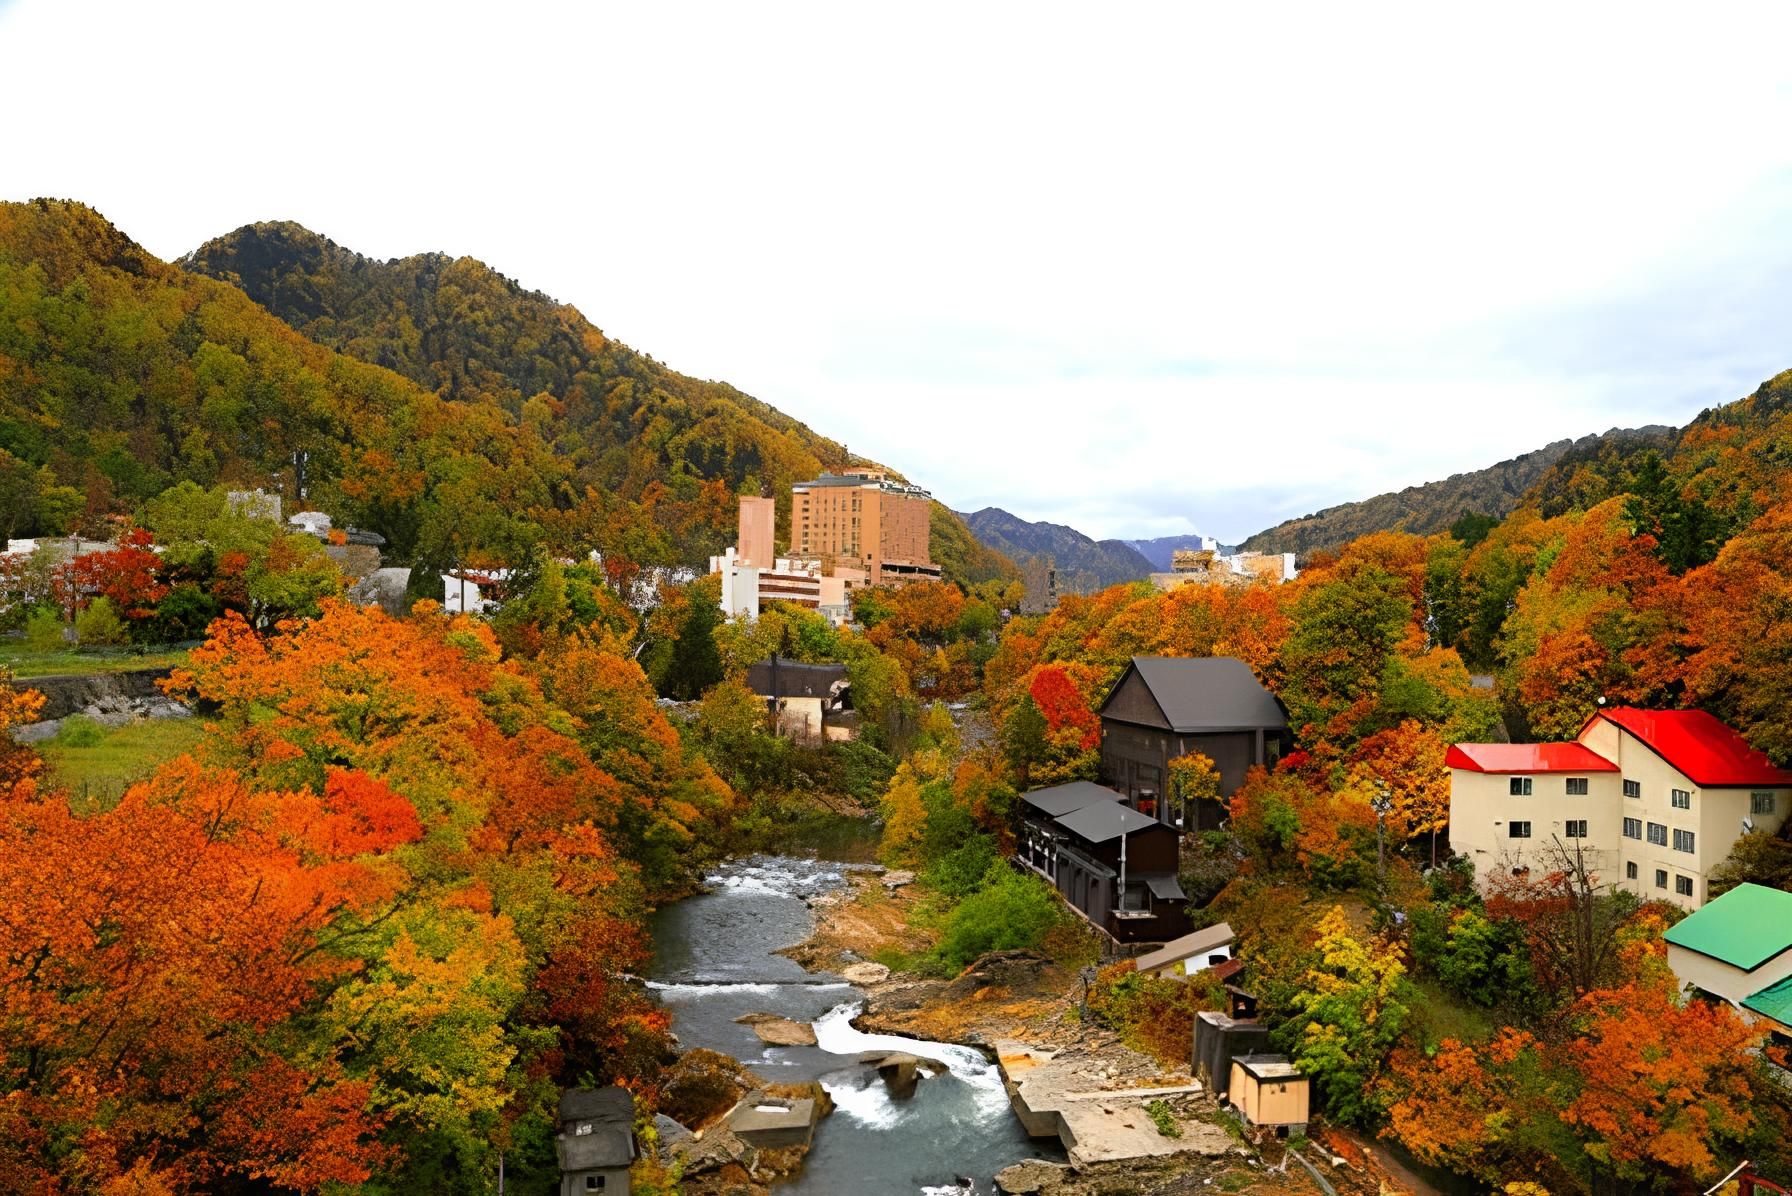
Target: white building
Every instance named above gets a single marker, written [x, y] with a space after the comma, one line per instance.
[1654, 799]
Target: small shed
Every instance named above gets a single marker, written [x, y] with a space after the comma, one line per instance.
[1269, 1090]
[804, 699]
[597, 1141]
[1218, 1040]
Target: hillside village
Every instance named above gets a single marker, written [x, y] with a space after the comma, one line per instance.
[1442, 860]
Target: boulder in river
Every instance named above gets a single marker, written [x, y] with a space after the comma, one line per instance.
[779, 1031]
[1032, 1177]
[901, 1071]
[865, 973]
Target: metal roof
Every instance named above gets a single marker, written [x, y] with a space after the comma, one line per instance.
[1744, 928]
[1774, 1001]
[1527, 758]
[1207, 693]
[794, 680]
[1709, 752]
[1062, 799]
[1269, 1067]
[597, 1129]
[1105, 820]
[1202, 941]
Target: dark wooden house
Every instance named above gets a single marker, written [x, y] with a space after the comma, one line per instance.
[1164, 707]
[1115, 865]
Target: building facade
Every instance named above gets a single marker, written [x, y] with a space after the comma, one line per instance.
[863, 520]
[596, 1142]
[1110, 863]
[1165, 707]
[1652, 799]
[1738, 949]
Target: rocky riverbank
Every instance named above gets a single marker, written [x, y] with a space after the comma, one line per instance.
[1020, 1002]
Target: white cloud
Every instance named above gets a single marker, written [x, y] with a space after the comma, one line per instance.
[1086, 264]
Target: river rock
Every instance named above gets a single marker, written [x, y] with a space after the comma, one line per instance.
[1033, 1177]
[779, 1031]
[902, 1071]
[865, 973]
[897, 877]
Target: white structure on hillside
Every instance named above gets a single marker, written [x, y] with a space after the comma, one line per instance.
[1653, 800]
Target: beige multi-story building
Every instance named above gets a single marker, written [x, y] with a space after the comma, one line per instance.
[757, 531]
[863, 520]
[1654, 800]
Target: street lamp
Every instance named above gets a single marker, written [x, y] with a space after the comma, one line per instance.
[1381, 803]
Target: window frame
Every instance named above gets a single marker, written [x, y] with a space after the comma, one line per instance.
[1686, 841]
[1630, 870]
[1633, 828]
[1657, 828]
[1512, 828]
[1763, 801]
[1584, 789]
[1682, 885]
[1661, 879]
[1633, 789]
[1519, 787]
[1574, 828]
[1680, 799]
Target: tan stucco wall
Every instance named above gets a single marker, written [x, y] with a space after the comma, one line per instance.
[1481, 807]
[1720, 979]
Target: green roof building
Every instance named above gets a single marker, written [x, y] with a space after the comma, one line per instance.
[1738, 949]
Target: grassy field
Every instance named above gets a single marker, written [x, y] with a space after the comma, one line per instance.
[96, 764]
[21, 662]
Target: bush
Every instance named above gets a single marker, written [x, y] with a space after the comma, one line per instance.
[79, 731]
[1010, 912]
[45, 631]
[1163, 1118]
[1152, 1015]
[99, 624]
[865, 771]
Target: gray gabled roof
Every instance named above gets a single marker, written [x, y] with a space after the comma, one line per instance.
[606, 1117]
[1062, 799]
[1207, 693]
[1102, 821]
[795, 680]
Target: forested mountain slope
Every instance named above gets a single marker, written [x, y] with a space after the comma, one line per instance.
[500, 419]
[1432, 507]
[1084, 565]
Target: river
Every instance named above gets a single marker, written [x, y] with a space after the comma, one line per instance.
[714, 962]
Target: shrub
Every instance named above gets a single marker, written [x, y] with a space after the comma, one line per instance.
[99, 624]
[1163, 1118]
[1010, 912]
[45, 631]
[1153, 1015]
[79, 731]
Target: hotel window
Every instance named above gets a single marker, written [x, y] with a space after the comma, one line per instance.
[1633, 788]
[1574, 828]
[1630, 870]
[1682, 800]
[1577, 786]
[1518, 830]
[1633, 828]
[1658, 834]
[1760, 803]
[1683, 885]
[1520, 787]
[1683, 841]
[1661, 878]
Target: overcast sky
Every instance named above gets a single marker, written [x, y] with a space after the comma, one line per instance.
[1139, 269]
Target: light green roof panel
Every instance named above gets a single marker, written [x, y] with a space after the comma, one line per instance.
[1774, 1001]
[1744, 928]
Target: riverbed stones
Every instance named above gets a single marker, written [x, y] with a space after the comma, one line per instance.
[779, 1031]
[901, 1071]
[865, 973]
[896, 878]
[1031, 1177]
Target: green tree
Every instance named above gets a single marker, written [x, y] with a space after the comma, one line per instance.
[98, 624]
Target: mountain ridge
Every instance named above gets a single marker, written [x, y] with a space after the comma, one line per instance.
[1084, 564]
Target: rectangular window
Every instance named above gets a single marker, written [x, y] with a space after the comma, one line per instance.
[1633, 828]
[1520, 787]
[1682, 799]
[1633, 788]
[1683, 885]
[1574, 828]
[1577, 786]
[1683, 841]
[1661, 878]
[1630, 870]
[1658, 834]
[1760, 803]
[1518, 830]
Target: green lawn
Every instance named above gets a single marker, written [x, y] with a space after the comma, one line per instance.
[1442, 1014]
[96, 764]
[22, 662]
